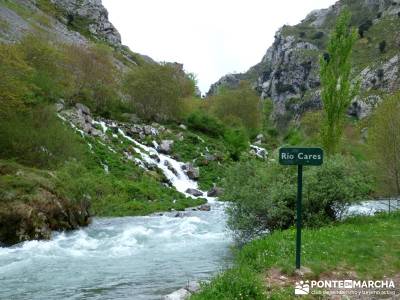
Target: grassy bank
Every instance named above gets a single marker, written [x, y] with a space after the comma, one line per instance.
[365, 247]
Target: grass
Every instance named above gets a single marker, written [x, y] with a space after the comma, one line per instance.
[369, 246]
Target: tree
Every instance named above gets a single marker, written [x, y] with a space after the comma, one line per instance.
[94, 77]
[384, 144]
[157, 91]
[337, 89]
[241, 105]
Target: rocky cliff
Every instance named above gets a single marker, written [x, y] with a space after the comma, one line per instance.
[289, 71]
[68, 21]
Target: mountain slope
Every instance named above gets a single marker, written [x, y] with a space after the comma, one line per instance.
[289, 71]
[67, 21]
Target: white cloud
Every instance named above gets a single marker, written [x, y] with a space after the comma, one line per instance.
[210, 37]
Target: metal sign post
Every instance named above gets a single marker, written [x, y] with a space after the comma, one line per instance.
[300, 157]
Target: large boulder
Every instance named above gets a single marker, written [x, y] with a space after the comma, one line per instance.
[166, 146]
[194, 192]
[81, 108]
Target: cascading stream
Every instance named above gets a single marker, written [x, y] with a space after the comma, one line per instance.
[122, 258]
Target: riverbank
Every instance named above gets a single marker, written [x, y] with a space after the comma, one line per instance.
[362, 248]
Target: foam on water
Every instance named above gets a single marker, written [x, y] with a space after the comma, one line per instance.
[123, 258]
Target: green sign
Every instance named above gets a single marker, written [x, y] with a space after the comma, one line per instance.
[301, 156]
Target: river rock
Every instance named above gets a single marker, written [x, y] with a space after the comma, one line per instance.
[180, 136]
[260, 137]
[215, 192]
[95, 132]
[166, 146]
[60, 105]
[181, 294]
[191, 171]
[155, 157]
[205, 207]
[209, 157]
[183, 126]
[194, 192]
[170, 167]
[149, 130]
[193, 287]
[82, 108]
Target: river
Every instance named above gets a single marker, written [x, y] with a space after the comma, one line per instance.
[118, 258]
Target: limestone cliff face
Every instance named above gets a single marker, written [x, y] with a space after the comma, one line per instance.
[74, 21]
[96, 17]
[289, 71]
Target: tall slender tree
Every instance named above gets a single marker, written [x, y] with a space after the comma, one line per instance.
[337, 89]
[384, 144]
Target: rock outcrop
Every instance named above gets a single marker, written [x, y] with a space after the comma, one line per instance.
[95, 16]
[289, 72]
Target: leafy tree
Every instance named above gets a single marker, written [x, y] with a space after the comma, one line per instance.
[157, 91]
[241, 105]
[384, 144]
[94, 77]
[337, 90]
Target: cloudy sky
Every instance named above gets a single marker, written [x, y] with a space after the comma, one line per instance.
[210, 37]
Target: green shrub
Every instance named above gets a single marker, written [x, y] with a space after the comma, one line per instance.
[264, 194]
[201, 121]
[36, 137]
[237, 142]
[15, 73]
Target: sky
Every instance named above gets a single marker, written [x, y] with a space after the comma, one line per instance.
[211, 38]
